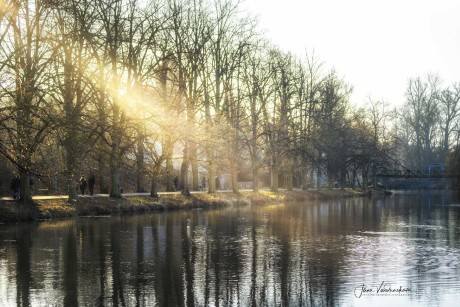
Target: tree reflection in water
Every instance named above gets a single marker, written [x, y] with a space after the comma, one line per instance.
[295, 254]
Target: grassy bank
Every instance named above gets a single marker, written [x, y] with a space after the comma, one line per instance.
[10, 211]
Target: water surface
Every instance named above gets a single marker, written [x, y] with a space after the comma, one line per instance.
[323, 253]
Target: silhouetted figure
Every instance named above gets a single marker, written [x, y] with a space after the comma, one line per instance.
[15, 186]
[91, 182]
[176, 183]
[82, 185]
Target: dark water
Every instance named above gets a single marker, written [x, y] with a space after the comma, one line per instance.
[277, 255]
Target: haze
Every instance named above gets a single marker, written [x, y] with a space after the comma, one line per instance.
[375, 45]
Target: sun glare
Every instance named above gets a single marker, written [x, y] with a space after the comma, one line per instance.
[4, 8]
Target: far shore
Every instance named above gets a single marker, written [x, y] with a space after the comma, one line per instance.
[57, 207]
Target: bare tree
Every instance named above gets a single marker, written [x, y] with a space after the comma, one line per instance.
[74, 88]
[278, 113]
[308, 86]
[449, 106]
[331, 118]
[257, 81]
[107, 50]
[189, 34]
[25, 54]
[142, 61]
[421, 113]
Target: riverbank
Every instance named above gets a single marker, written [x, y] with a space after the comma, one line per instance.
[43, 209]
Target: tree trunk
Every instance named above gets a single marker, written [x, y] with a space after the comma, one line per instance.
[274, 178]
[70, 173]
[102, 165]
[115, 153]
[353, 181]
[212, 173]
[312, 174]
[169, 166]
[140, 163]
[343, 178]
[115, 188]
[330, 180]
[289, 180]
[72, 118]
[255, 179]
[234, 176]
[195, 180]
[153, 188]
[25, 195]
[318, 179]
[184, 173]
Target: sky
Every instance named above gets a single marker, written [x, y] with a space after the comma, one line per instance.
[375, 45]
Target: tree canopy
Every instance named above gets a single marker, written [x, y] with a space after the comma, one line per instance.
[139, 92]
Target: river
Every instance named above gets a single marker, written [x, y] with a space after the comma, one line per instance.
[402, 250]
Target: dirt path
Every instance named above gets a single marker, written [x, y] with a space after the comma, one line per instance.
[40, 197]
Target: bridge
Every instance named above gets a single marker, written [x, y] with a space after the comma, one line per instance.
[407, 173]
[435, 170]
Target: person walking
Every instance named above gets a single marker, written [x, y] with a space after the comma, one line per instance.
[176, 183]
[91, 182]
[82, 185]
